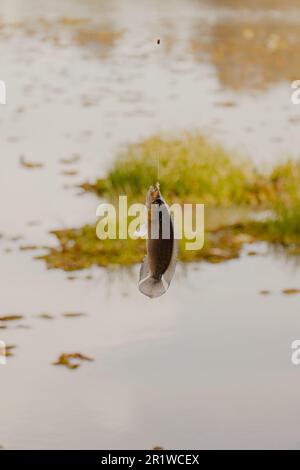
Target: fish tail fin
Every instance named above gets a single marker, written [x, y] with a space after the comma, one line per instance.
[153, 287]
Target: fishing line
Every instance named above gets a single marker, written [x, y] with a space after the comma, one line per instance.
[158, 160]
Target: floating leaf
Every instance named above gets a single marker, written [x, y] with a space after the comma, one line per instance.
[71, 160]
[30, 165]
[73, 314]
[46, 316]
[66, 360]
[11, 317]
[290, 291]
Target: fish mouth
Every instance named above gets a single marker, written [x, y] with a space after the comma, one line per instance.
[155, 193]
[154, 196]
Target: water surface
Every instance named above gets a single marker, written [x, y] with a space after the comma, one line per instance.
[208, 365]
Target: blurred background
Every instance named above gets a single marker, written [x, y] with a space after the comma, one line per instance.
[209, 364]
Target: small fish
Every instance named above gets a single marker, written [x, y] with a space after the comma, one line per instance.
[158, 267]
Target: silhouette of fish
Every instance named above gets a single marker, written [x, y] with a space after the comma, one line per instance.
[158, 267]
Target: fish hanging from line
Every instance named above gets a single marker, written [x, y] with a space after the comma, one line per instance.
[158, 267]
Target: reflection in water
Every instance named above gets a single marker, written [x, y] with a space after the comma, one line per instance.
[251, 55]
[247, 54]
[257, 4]
[99, 38]
[104, 38]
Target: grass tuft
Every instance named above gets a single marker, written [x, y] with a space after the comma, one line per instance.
[192, 169]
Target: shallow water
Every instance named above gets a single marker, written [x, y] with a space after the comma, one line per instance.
[206, 366]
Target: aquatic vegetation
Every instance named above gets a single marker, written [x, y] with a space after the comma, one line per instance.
[80, 248]
[29, 165]
[28, 247]
[67, 360]
[283, 228]
[14, 317]
[252, 253]
[8, 350]
[250, 54]
[105, 37]
[46, 316]
[192, 169]
[254, 4]
[73, 314]
[69, 172]
[285, 178]
[290, 291]
[67, 30]
[69, 161]
[70, 21]
[265, 292]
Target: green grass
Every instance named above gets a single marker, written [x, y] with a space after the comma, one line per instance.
[80, 249]
[192, 169]
[283, 228]
[285, 181]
